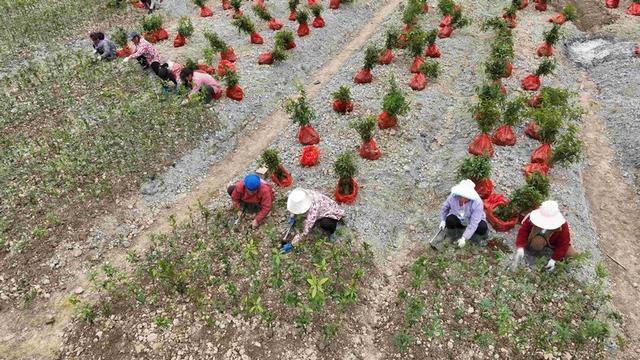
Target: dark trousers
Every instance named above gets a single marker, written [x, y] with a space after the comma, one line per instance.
[452, 222]
[246, 207]
[327, 225]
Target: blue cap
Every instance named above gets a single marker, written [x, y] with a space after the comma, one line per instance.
[252, 182]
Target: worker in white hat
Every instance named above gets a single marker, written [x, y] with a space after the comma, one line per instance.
[545, 227]
[462, 214]
[318, 210]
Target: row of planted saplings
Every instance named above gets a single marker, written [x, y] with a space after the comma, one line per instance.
[632, 9]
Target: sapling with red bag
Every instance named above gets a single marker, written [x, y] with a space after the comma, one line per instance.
[335, 4]
[499, 62]
[391, 42]
[541, 5]
[226, 4]
[486, 113]
[634, 8]
[532, 81]
[416, 40]
[293, 12]
[370, 58]
[394, 104]
[318, 21]
[342, 102]
[568, 13]
[120, 39]
[428, 70]
[278, 54]
[478, 170]
[286, 39]
[264, 14]
[234, 91]
[432, 49]
[504, 215]
[245, 25]
[612, 4]
[185, 30]
[303, 23]
[301, 113]
[204, 10]
[452, 19]
[279, 174]
[237, 4]
[366, 127]
[520, 4]
[345, 168]
[153, 31]
[409, 19]
[509, 15]
[511, 116]
[551, 36]
[219, 45]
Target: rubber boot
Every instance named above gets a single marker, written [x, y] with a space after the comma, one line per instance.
[436, 244]
[480, 240]
[454, 234]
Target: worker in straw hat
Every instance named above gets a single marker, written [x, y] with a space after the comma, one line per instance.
[252, 194]
[462, 215]
[543, 228]
[319, 212]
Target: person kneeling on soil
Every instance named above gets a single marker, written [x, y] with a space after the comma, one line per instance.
[198, 80]
[252, 194]
[463, 213]
[170, 71]
[319, 212]
[543, 228]
[104, 48]
[145, 53]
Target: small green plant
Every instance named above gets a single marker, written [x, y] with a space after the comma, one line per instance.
[416, 40]
[475, 168]
[394, 102]
[552, 35]
[411, 11]
[522, 201]
[570, 12]
[345, 167]
[568, 149]
[487, 113]
[343, 94]
[236, 4]
[279, 53]
[402, 340]
[540, 183]
[231, 79]
[370, 57]
[513, 111]
[216, 43]
[446, 7]
[302, 17]
[329, 331]
[415, 310]
[392, 38]
[299, 108]
[271, 161]
[283, 38]
[316, 9]
[199, 3]
[244, 24]
[151, 22]
[365, 126]
[162, 321]
[119, 37]
[262, 12]
[546, 67]
[549, 121]
[293, 4]
[458, 21]
[430, 69]
[185, 27]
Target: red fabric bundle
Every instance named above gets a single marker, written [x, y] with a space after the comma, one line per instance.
[481, 145]
[124, 52]
[369, 150]
[205, 12]
[307, 135]
[265, 58]
[256, 38]
[139, 5]
[224, 66]
[545, 49]
[532, 131]
[445, 32]
[637, 50]
[612, 4]
[226, 4]
[161, 34]
[432, 51]
[504, 136]
[292, 15]
[303, 29]
[363, 77]
[206, 68]
[334, 4]
[290, 45]
[535, 100]
[418, 82]
[558, 19]
[523, 4]
[531, 83]
[511, 21]
[417, 62]
[385, 121]
[484, 188]
[311, 2]
[274, 24]
[386, 57]
[446, 21]
[531, 168]
[542, 154]
[634, 9]
[342, 107]
[235, 93]
[229, 55]
[318, 22]
[347, 198]
[425, 8]
[493, 201]
[287, 181]
[540, 6]
[508, 69]
[310, 155]
[150, 37]
[179, 41]
[402, 41]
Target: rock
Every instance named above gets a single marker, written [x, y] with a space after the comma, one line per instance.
[76, 252]
[151, 338]
[50, 320]
[78, 291]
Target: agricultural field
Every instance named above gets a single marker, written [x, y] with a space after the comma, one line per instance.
[118, 239]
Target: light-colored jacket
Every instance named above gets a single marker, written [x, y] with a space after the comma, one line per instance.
[470, 214]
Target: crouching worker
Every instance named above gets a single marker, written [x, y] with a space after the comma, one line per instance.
[543, 228]
[199, 80]
[145, 53]
[252, 194]
[103, 47]
[462, 215]
[319, 212]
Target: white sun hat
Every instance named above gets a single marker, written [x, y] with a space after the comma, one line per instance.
[547, 216]
[299, 201]
[467, 189]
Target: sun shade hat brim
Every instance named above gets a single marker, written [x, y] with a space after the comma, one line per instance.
[547, 216]
[299, 201]
[466, 189]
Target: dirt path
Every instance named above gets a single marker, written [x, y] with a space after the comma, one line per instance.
[25, 335]
[615, 215]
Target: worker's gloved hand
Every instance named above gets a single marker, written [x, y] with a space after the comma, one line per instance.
[551, 265]
[517, 258]
[125, 59]
[184, 102]
[292, 221]
[442, 225]
[461, 242]
[286, 248]
[254, 224]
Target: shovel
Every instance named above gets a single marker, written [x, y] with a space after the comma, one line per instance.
[238, 219]
[432, 243]
[286, 235]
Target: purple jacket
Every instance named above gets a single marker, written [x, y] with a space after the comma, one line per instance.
[470, 214]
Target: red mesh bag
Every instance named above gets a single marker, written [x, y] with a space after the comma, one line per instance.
[541, 6]
[139, 5]
[508, 69]
[418, 82]
[229, 55]
[445, 32]
[481, 145]
[369, 150]
[533, 167]
[310, 155]
[151, 37]
[287, 181]
[318, 22]
[237, 13]
[235, 93]
[226, 4]
[493, 201]
[523, 4]
[311, 2]
[612, 4]
[347, 198]
[637, 50]
[484, 188]
[542, 154]
[532, 131]
[265, 58]
[205, 12]
[224, 66]
[256, 39]
[511, 21]
[558, 19]
[432, 51]
[545, 49]
[531, 83]
[307, 135]
[334, 4]
[535, 100]
[386, 57]
[417, 62]
[206, 68]
[290, 45]
[274, 24]
[342, 107]
[179, 41]
[504, 136]
[634, 9]
[124, 52]
[292, 15]
[446, 21]
[385, 121]
[303, 29]
[161, 34]
[363, 77]
[425, 8]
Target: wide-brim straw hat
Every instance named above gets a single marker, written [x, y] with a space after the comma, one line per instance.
[299, 201]
[547, 216]
[467, 189]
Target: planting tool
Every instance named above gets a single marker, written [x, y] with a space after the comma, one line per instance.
[238, 219]
[286, 235]
[434, 244]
